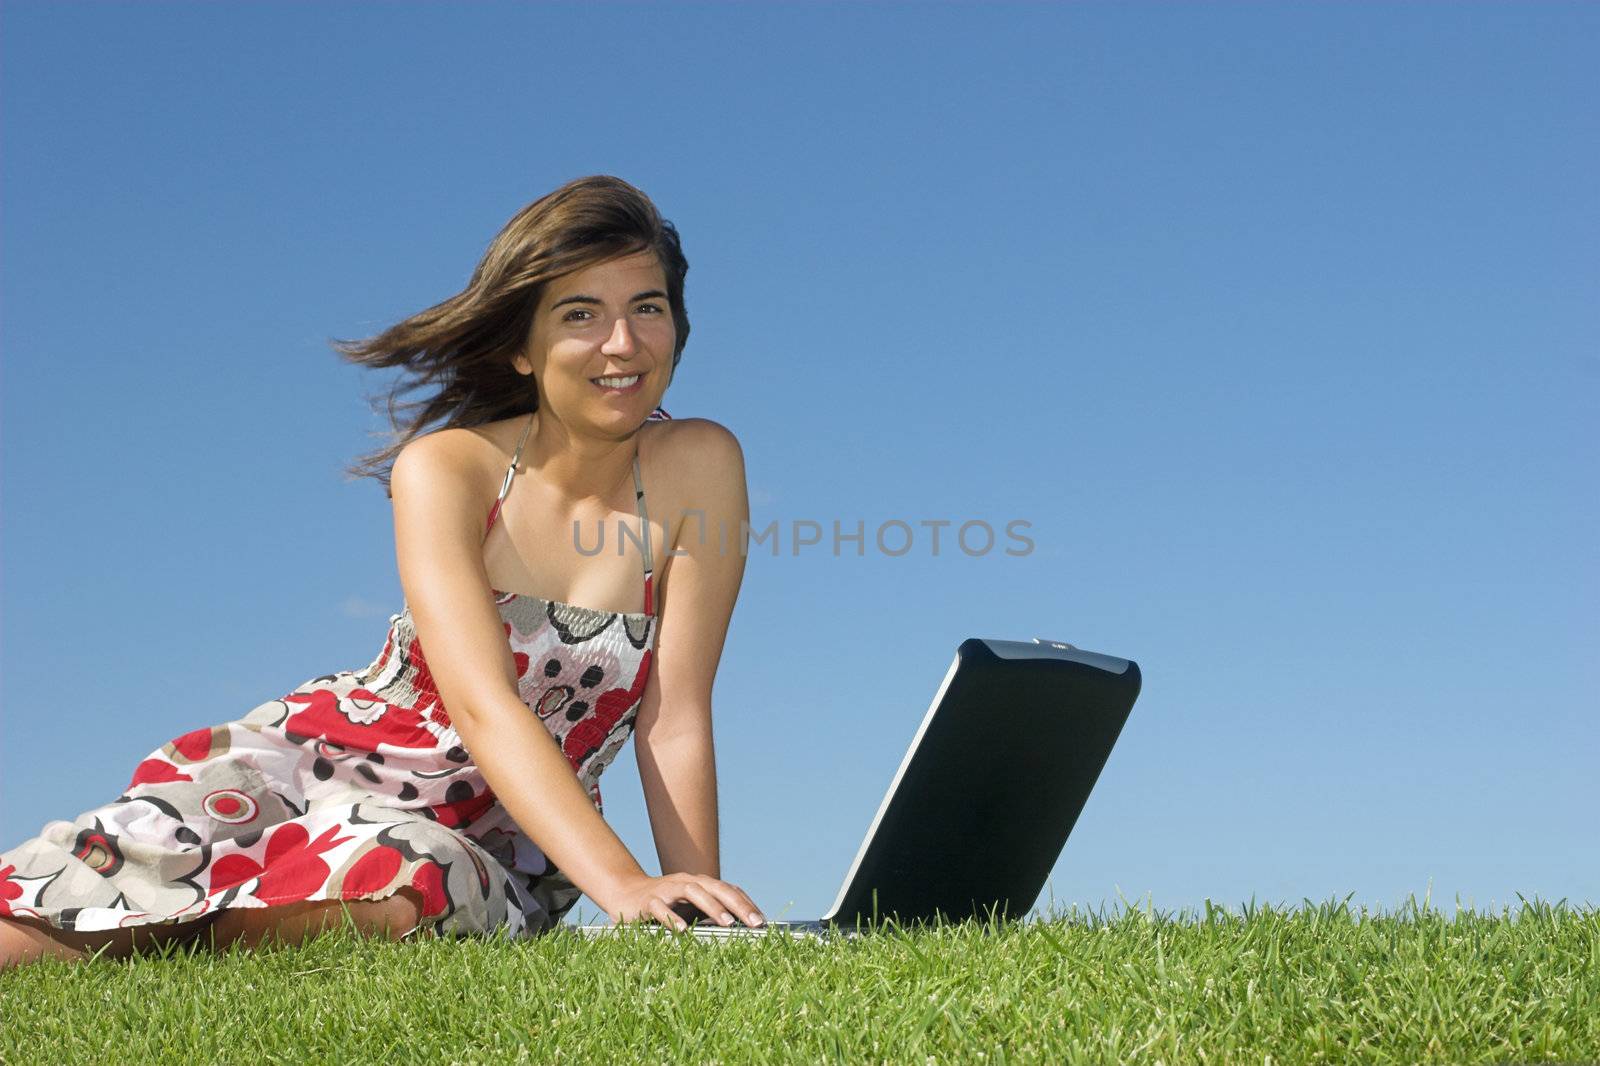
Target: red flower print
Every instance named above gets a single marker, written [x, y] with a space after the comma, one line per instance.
[585, 738]
[373, 872]
[321, 718]
[291, 870]
[231, 806]
[429, 880]
[155, 771]
[195, 745]
[9, 889]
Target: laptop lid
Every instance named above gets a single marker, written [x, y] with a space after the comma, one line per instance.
[992, 784]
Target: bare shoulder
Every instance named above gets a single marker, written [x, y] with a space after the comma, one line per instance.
[447, 463]
[696, 465]
[693, 448]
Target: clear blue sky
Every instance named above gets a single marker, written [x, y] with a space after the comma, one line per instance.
[1277, 322]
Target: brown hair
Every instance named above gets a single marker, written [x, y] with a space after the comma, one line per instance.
[466, 343]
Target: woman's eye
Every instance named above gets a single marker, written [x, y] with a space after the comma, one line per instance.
[570, 315]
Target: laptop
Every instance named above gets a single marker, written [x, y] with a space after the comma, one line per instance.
[995, 778]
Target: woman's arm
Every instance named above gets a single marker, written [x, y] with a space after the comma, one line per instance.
[673, 745]
[438, 546]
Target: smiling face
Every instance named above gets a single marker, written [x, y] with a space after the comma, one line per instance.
[600, 346]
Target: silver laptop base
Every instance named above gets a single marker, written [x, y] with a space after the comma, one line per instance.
[812, 930]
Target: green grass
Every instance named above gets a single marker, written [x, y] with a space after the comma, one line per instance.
[1305, 984]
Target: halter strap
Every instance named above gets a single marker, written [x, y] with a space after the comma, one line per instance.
[644, 524]
[511, 472]
[638, 499]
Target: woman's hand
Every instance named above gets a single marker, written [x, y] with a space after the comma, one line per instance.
[655, 898]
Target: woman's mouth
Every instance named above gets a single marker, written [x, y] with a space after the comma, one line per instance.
[619, 385]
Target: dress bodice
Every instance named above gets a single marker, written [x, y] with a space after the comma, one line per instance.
[581, 671]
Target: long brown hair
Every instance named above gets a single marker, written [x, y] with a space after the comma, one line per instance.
[464, 345]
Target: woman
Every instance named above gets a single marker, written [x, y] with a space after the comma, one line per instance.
[458, 792]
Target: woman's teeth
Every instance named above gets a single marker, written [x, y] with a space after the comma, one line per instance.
[617, 383]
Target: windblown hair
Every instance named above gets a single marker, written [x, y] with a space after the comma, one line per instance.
[464, 346]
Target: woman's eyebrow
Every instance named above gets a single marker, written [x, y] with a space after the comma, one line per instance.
[657, 293]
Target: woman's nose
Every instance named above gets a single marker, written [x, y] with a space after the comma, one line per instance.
[621, 341]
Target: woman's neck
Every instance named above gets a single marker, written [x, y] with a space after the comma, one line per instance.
[576, 466]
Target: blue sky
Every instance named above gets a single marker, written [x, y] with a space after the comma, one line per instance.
[1276, 322]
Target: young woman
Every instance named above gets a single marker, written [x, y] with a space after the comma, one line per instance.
[458, 792]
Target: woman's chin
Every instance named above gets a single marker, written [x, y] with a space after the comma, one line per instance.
[619, 420]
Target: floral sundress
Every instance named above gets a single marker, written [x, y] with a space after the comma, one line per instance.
[352, 786]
